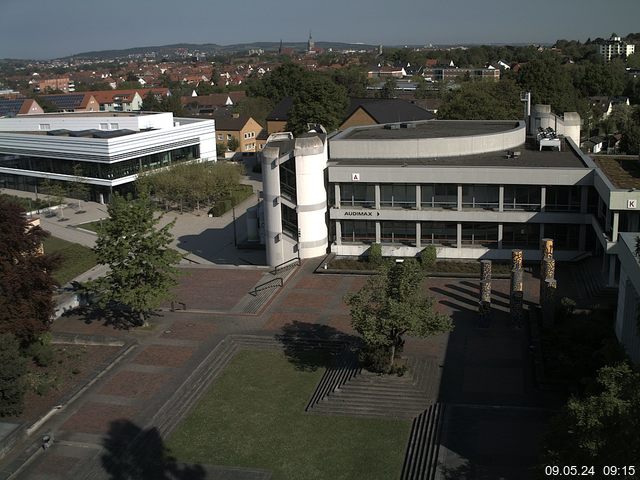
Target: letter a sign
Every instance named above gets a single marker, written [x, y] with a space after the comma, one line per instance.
[355, 177]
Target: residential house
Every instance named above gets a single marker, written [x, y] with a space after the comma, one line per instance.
[73, 102]
[243, 128]
[209, 104]
[19, 106]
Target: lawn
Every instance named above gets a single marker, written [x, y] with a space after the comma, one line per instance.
[91, 226]
[28, 204]
[253, 416]
[76, 259]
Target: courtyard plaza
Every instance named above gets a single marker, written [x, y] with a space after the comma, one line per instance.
[491, 426]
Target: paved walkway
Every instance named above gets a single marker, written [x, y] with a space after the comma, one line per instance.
[486, 380]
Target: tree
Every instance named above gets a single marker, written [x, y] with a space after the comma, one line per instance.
[255, 107]
[392, 305]
[141, 265]
[601, 428]
[388, 90]
[483, 100]
[78, 186]
[282, 82]
[233, 144]
[630, 143]
[26, 302]
[150, 103]
[319, 101]
[353, 79]
[13, 367]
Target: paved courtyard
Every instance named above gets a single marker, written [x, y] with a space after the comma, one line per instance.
[485, 372]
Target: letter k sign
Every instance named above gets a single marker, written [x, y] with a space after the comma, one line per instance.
[632, 204]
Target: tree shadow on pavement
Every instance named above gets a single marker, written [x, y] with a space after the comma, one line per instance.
[118, 318]
[132, 453]
[310, 346]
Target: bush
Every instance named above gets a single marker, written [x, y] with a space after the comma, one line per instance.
[566, 308]
[428, 257]
[375, 358]
[375, 255]
[41, 351]
[13, 367]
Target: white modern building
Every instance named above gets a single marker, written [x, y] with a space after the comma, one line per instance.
[615, 47]
[110, 148]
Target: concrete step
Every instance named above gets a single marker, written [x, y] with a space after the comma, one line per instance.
[421, 457]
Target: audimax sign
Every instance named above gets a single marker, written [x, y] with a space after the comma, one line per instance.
[360, 213]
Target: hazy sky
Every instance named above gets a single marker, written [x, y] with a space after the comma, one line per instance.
[55, 28]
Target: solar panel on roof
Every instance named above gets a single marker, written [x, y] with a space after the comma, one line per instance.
[10, 108]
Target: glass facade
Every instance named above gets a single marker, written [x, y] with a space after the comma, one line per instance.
[358, 231]
[565, 237]
[480, 234]
[481, 196]
[357, 195]
[107, 171]
[562, 199]
[439, 233]
[439, 195]
[398, 195]
[398, 233]
[522, 197]
[521, 235]
[288, 180]
[289, 221]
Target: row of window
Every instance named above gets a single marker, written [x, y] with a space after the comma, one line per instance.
[516, 197]
[473, 234]
[100, 170]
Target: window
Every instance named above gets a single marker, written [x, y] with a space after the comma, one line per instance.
[481, 196]
[289, 221]
[250, 147]
[399, 195]
[357, 195]
[520, 235]
[562, 199]
[522, 197]
[249, 135]
[104, 126]
[439, 233]
[358, 231]
[114, 126]
[565, 237]
[45, 126]
[439, 195]
[229, 136]
[220, 137]
[398, 232]
[480, 234]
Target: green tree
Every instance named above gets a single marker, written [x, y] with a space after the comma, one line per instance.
[141, 265]
[630, 142]
[13, 367]
[255, 107]
[483, 101]
[26, 301]
[150, 103]
[233, 144]
[388, 90]
[602, 427]
[353, 79]
[282, 82]
[392, 305]
[422, 89]
[319, 101]
[549, 83]
[78, 186]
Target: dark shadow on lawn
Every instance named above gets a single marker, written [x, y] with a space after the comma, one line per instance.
[134, 453]
[310, 346]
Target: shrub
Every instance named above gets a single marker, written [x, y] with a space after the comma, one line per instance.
[428, 257]
[13, 367]
[567, 307]
[375, 255]
[41, 351]
[375, 358]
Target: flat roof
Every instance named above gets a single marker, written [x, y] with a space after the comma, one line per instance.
[429, 129]
[87, 114]
[529, 157]
[623, 172]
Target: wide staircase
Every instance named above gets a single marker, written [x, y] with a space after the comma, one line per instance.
[421, 456]
[347, 390]
[591, 283]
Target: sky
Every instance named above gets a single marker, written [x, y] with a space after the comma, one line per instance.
[41, 29]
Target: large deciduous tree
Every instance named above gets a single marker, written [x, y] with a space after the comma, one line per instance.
[602, 427]
[26, 284]
[392, 305]
[12, 370]
[483, 100]
[318, 100]
[142, 267]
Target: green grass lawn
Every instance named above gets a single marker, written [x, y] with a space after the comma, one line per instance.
[92, 226]
[253, 416]
[76, 259]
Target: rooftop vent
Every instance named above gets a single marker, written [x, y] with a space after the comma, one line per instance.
[407, 125]
[392, 126]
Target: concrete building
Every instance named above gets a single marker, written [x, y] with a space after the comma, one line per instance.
[626, 327]
[110, 148]
[615, 47]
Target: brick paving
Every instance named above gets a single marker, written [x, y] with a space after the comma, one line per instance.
[482, 365]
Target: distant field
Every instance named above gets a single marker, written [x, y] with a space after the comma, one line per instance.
[253, 416]
[76, 259]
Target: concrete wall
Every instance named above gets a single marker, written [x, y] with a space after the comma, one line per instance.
[85, 121]
[429, 147]
[626, 326]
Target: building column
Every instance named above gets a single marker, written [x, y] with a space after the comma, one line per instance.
[338, 225]
[543, 198]
[614, 228]
[582, 238]
[612, 270]
[584, 199]
[336, 190]
[459, 198]
[459, 235]
[500, 233]
[541, 233]
[501, 200]
[418, 235]
[378, 233]
[418, 197]
[377, 195]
